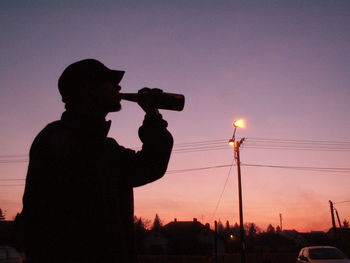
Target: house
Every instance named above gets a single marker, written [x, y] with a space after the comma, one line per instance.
[189, 237]
[182, 238]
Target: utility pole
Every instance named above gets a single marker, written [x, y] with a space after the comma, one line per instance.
[237, 145]
[241, 225]
[333, 220]
[340, 234]
[336, 212]
[216, 242]
[281, 222]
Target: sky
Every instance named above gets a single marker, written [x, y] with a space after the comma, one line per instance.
[282, 66]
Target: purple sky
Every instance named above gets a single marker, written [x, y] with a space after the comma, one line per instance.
[282, 65]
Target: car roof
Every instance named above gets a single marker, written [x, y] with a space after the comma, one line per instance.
[318, 247]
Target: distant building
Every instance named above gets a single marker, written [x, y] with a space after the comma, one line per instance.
[189, 237]
[182, 238]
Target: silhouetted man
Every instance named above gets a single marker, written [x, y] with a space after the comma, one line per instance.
[78, 199]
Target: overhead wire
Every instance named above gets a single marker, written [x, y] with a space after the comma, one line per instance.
[15, 179]
[197, 169]
[292, 144]
[221, 144]
[305, 168]
[223, 190]
[342, 202]
[168, 172]
[298, 140]
[250, 143]
[11, 185]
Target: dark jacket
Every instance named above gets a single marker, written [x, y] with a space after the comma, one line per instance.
[78, 199]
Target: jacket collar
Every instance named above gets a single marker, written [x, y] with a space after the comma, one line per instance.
[85, 124]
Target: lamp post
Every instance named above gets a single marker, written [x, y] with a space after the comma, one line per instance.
[236, 145]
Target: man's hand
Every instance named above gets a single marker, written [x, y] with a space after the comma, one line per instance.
[146, 99]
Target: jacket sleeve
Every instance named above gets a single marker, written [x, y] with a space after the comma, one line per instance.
[151, 162]
[35, 196]
[33, 223]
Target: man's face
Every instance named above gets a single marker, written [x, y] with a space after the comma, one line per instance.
[106, 96]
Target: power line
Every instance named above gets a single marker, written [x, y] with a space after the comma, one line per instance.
[298, 148]
[341, 202]
[265, 143]
[197, 169]
[308, 168]
[168, 172]
[312, 145]
[13, 155]
[11, 185]
[221, 144]
[298, 140]
[199, 142]
[14, 161]
[223, 189]
[16, 179]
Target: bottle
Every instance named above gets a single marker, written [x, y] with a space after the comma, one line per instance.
[164, 100]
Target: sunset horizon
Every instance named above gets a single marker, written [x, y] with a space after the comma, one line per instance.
[281, 66]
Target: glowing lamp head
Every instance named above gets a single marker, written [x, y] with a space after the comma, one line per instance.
[231, 142]
[238, 124]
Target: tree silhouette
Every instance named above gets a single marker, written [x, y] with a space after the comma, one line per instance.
[270, 229]
[227, 226]
[236, 229]
[157, 223]
[221, 228]
[140, 226]
[140, 223]
[252, 230]
[278, 230]
[2, 215]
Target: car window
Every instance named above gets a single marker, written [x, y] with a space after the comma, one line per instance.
[3, 253]
[326, 253]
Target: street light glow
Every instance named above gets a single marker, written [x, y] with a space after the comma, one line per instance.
[239, 124]
[237, 144]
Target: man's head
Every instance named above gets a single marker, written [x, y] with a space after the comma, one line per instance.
[89, 82]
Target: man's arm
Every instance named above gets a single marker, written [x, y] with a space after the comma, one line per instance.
[151, 162]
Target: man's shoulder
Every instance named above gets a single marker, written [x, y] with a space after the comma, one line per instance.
[50, 129]
[51, 134]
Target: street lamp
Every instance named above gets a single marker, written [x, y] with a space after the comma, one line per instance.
[239, 123]
[236, 124]
[237, 144]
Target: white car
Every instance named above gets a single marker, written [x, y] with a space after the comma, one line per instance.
[321, 254]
